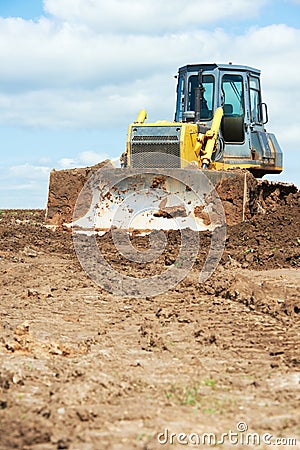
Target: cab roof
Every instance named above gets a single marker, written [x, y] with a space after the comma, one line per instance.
[238, 68]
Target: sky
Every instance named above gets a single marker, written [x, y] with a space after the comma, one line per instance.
[75, 73]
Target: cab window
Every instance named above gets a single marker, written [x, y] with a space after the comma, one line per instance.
[255, 99]
[206, 107]
[233, 95]
[232, 126]
[180, 100]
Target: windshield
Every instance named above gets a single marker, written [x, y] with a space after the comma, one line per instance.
[206, 107]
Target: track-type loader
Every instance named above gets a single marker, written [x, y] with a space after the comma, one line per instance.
[169, 169]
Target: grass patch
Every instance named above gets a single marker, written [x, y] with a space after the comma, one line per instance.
[210, 382]
[188, 395]
[208, 401]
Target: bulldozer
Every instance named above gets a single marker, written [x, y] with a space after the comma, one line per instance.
[219, 123]
[217, 142]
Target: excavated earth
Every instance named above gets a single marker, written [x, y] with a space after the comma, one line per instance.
[82, 368]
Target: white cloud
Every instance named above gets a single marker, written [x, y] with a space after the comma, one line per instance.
[24, 186]
[31, 185]
[29, 171]
[91, 158]
[86, 158]
[64, 76]
[66, 163]
[149, 16]
[44, 160]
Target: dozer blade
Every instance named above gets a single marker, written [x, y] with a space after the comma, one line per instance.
[142, 200]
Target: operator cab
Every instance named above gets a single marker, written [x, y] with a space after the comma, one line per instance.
[202, 88]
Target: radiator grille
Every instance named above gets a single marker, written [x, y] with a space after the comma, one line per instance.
[157, 146]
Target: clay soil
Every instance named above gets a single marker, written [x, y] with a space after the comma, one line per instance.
[83, 369]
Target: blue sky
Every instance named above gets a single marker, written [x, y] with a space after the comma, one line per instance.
[20, 8]
[74, 74]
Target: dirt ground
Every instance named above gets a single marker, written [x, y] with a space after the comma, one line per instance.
[83, 369]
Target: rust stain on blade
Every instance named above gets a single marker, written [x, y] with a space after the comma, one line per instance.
[158, 182]
[170, 211]
[201, 214]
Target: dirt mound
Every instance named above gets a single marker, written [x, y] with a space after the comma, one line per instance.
[271, 238]
[25, 231]
[244, 196]
[64, 188]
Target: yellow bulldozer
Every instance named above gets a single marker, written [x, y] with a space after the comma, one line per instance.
[217, 141]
